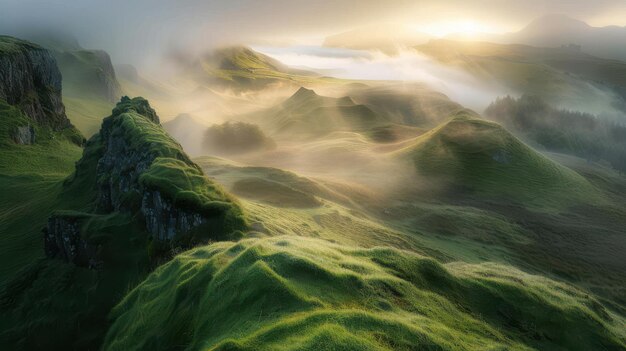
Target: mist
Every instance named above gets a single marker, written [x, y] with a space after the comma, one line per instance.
[141, 32]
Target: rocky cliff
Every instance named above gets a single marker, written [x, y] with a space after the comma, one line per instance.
[136, 169]
[89, 73]
[31, 80]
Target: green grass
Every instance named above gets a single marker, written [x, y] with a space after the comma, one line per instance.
[241, 68]
[171, 172]
[305, 294]
[42, 291]
[481, 156]
[274, 193]
[52, 304]
[31, 177]
[581, 244]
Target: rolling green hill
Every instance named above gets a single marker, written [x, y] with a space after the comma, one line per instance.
[407, 104]
[242, 69]
[482, 157]
[305, 294]
[134, 200]
[38, 148]
[308, 115]
[31, 177]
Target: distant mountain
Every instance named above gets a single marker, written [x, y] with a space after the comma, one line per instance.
[560, 30]
[239, 68]
[86, 73]
[386, 38]
[132, 195]
[89, 74]
[31, 83]
[187, 131]
[382, 114]
[563, 75]
[306, 113]
[407, 104]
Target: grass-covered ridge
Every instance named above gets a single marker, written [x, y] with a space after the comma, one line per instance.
[481, 156]
[305, 294]
[171, 172]
[142, 158]
[243, 69]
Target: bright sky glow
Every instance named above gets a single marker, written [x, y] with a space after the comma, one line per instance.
[465, 27]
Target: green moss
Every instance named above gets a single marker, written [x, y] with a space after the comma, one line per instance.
[170, 172]
[304, 294]
[47, 290]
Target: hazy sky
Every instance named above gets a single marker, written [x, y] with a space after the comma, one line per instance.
[143, 28]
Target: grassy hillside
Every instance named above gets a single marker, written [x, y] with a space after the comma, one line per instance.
[407, 104]
[308, 115]
[489, 196]
[36, 299]
[305, 294]
[241, 69]
[482, 157]
[576, 239]
[31, 177]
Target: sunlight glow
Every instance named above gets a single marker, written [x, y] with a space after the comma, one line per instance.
[465, 27]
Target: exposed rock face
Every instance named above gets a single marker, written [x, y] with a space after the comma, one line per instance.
[129, 144]
[62, 239]
[24, 135]
[106, 75]
[121, 164]
[119, 170]
[164, 220]
[30, 79]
